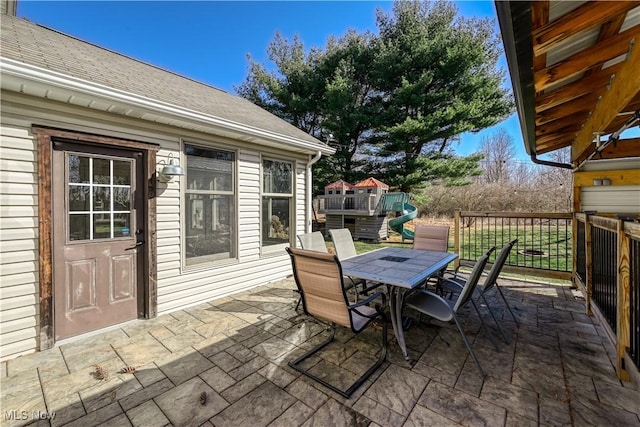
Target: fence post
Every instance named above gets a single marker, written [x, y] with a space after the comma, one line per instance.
[589, 262]
[456, 237]
[574, 248]
[624, 300]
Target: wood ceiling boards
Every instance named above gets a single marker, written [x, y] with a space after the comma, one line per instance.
[586, 73]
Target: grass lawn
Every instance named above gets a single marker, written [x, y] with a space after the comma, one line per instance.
[554, 245]
[554, 242]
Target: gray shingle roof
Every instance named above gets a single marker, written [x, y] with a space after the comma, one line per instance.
[42, 47]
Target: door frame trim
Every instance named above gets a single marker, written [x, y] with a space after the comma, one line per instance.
[44, 139]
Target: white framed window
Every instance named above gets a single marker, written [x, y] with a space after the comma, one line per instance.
[210, 199]
[277, 205]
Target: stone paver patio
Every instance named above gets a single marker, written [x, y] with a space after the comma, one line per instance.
[224, 363]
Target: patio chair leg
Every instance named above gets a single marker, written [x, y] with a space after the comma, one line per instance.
[349, 391]
[507, 304]
[471, 352]
[484, 327]
[504, 336]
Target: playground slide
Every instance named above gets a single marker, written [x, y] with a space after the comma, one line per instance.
[409, 212]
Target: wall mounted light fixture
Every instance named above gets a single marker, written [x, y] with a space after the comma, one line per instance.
[170, 170]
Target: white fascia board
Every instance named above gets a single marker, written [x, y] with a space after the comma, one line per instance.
[72, 85]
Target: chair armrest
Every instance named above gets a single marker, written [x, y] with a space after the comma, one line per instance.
[434, 295]
[479, 290]
[379, 307]
[369, 299]
[452, 282]
[456, 273]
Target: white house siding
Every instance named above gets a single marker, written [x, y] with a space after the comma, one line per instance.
[18, 238]
[301, 194]
[178, 287]
[197, 284]
[623, 199]
[248, 204]
[611, 199]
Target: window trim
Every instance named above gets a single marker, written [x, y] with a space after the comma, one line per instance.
[207, 264]
[278, 249]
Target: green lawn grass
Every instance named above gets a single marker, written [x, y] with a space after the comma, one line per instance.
[555, 242]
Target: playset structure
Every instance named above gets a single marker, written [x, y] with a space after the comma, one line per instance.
[363, 208]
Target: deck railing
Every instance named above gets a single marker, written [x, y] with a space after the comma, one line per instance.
[604, 256]
[610, 279]
[544, 246]
[606, 265]
[581, 253]
[348, 203]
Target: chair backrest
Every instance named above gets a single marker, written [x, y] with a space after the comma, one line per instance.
[313, 241]
[496, 268]
[343, 243]
[472, 282]
[431, 238]
[319, 280]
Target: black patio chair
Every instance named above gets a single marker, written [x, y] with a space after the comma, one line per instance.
[445, 310]
[492, 282]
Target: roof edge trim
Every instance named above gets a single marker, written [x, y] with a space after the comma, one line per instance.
[65, 82]
[514, 18]
[517, 48]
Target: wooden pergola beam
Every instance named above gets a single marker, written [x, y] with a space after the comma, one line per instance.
[597, 80]
[620, 120]
[593, 56]
[588, 15]
[553, 147]
[558, 128]
[581, 105]
[554, 141]
[629, 147]
[611, 27]
[539, 17]
[624, 88]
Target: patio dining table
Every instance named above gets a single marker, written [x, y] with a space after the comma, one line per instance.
[400, 270]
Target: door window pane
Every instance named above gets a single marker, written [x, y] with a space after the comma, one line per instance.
[121, 198]
[79, 198]
[79, 227]
[101, 171]
[78, 169]
[101, 226]
[101, 198]
[121, 225]
[121, 172]
[92, 191]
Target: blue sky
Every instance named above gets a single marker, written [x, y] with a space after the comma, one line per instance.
[209, 40]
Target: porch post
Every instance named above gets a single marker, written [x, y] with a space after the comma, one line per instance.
[624, 301]
[589, 262]
[574, 248]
